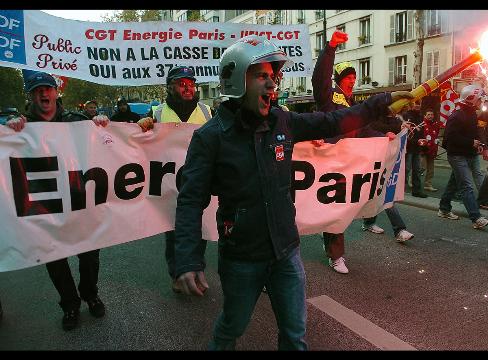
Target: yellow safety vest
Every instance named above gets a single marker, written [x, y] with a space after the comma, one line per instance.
[340, 99]
[165, 114]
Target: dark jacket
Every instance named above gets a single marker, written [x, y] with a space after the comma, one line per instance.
[88, 115]
[329, 98]
[461, 131]
[249, 170]
[387, 124]
[126, 116]
[61, 115]
[414, 116]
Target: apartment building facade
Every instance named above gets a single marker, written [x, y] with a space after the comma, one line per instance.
[381, 46]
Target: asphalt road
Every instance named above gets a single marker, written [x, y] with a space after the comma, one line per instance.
[429, 294]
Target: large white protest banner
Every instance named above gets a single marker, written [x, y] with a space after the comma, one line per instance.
[134, 53]
[67, 188]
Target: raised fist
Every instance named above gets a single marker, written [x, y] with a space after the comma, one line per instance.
[338, 37]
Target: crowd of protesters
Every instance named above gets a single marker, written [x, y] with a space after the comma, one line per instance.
[263, 252]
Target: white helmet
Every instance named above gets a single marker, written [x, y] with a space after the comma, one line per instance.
[237, 58]
[471, 94]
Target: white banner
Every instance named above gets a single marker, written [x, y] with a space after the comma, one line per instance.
[67, 188]
[135, 53]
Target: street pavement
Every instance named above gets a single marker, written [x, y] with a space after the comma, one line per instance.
[430, 293]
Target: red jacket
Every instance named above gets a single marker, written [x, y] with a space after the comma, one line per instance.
[431, 133]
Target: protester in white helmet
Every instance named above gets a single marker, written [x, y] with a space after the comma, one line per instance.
[243, 156]
[461, 141]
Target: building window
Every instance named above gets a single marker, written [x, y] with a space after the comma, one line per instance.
[319, 15]
[432, 23]
[240, 12]
[301, 84]
[459, 54]
[364, 71]
[435, 22]
[342, 28]
[400, 69]
[215, 19]
[432, 64]
[182, 17]
[262, 20]
[168, 15]
[401, 27]
[278, 18]
[204, 92]
[364, 30]
[301, 17]
[319, 43]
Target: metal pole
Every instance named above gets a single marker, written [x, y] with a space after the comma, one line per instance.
[325, 26]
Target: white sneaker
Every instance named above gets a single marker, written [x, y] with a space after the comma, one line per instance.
[339, 265]
[375, 229]
[404, 235]
[447, 215]
[480, 222]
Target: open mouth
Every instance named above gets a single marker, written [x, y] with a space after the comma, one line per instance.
[45, 102]
[266, 99]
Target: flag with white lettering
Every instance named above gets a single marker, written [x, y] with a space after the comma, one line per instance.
[449, 99]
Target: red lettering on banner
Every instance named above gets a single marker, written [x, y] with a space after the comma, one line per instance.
[100, 34]
[161, 36]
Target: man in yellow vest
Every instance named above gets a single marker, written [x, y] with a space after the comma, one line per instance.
[182, 105]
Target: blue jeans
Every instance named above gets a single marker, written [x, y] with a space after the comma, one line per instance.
[460, 179]
[396, 220]
[412, 162]
[242, 284]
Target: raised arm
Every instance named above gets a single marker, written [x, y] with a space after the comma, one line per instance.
[322, 72]
[311, 126]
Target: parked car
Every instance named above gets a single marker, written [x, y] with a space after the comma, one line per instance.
[5, 113]
[140, 108]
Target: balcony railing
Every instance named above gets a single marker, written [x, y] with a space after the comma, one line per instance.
[400, 79]
[363, 39]
[434, 30]
[365, 80]
[400, 37]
